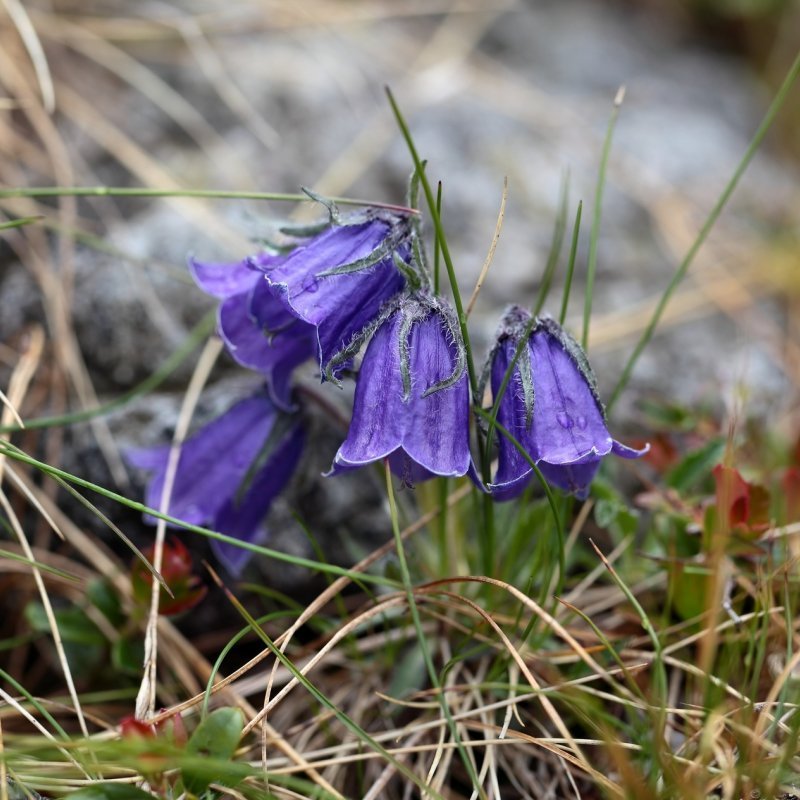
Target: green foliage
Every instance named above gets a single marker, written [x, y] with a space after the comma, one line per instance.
[694, 471]
[214, 742]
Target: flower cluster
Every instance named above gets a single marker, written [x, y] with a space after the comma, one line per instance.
[550, 407]
[360, 279]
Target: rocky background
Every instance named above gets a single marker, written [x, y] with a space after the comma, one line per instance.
[268, 95]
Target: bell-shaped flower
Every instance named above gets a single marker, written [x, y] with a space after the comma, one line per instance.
[338, 280]
[550, 406]
[257, 330]
[228, 473]
[412, 395]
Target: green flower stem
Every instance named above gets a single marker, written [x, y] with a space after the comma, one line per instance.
[19, 223]
[437, 259]
[488, 538]
[683, 268]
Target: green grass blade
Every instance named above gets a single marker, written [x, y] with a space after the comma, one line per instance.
[559, 229]
[591, 267]
[573, 252]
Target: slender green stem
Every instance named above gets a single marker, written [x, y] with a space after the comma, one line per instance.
[421, 638]
[19, 222]
[208, 194]
[555, 246]
[196, 335]
[437, 253]
[489, 538]
[573, 252]
[683, 268]
[598, 206]
[232, 642]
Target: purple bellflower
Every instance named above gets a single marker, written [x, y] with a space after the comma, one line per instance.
[550, 406]
[412, 395]
[339, 280]
[257, 330]
[228, 473]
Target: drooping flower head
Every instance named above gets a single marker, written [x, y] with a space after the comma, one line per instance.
[550, 406]
[412, 395]
[338, 281]
[229, 472]
[257, 330]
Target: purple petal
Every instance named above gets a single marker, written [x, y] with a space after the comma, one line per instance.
[567, 436]
[624, 451]
[241, 516]
[423, 436]
[148, 458]
[213, 462]
[274, 356]
[338, 306]
[268, 311]
[437, 433]
[223, 280]
[574, 478]
[514, 472]
[568, 424]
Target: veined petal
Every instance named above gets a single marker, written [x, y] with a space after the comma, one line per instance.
[377, 424]
[212, 463]
[275, 356]
[243, 513]
[339, 306]
[513, 470]
[268, 311]
[436, 435]
[619, 449]
[566, 433]
[421, 435]
[574, 478]
[568, 424]
[228, 473]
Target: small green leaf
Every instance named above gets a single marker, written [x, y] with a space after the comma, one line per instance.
[697, 465]
[215, 738]
[110, 791]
